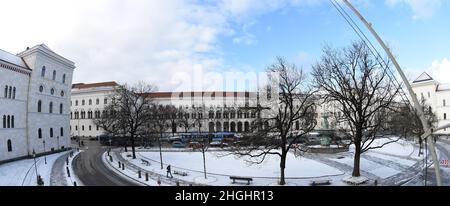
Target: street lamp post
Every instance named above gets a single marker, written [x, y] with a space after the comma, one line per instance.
[35, 167]
[45, 157]
[110, 146]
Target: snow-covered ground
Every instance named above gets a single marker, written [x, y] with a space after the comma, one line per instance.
[384, 163]
[23, 172]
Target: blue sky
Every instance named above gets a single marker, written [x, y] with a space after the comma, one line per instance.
[298, 33]
[200, 44]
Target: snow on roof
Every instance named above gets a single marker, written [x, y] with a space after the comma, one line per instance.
[423, 77]
[442, 87]
[11, 58]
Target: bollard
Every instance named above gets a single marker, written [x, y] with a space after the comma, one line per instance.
[146, 177]
[68, 171]
[119, 165]
[74, 183]
[110, 159]
[139, 174]
[123, 166]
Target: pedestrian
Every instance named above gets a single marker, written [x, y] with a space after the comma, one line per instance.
[169, 172]
[82, 143]
[159, 181]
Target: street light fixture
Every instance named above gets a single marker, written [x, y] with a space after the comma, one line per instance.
[45, 156]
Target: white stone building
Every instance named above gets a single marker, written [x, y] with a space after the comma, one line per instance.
[87, 103]
[219, 111]
[34, 102]
[437, 96]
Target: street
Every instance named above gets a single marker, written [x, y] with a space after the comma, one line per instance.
[90, 169]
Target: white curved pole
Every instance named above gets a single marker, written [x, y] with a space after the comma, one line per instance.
[417, 106]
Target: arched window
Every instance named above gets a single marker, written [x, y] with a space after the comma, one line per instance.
[64, 79]
[43, 71]
[54, 75]
[71, 115]
[51, 132]
[6, 91]
[4, 121]
[90, 101]
[90, 128]
[39, 106]
[97, 101]
[76, 102]
[445, 116]
[9, 145]
[61, 132]
[39, 133]
[12, 121]
[50, 107]
[105, 101]
[61, 108]
[82, 102]
[14, 93]
[10, 91]
[9, 122]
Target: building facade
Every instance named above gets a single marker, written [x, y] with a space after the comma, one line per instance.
[437, 96]
[87, 103]
[204, 111]
[34, 102]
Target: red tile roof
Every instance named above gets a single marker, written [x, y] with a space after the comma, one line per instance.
[93, 85]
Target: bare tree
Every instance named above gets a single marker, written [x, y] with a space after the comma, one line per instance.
[129, 111]
[363, 89]
[289, 101]
[160, 123]
[406, 122]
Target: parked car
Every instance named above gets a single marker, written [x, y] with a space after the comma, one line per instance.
[178, 144]
[218, 144]
[195, 145]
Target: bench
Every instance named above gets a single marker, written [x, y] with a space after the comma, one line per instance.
[248, 179]
[320, 182]
[145, 162]
[176, 172]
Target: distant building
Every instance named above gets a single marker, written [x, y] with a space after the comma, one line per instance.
[219, 111]
[436, 95]
[88, 103]
[34, 102]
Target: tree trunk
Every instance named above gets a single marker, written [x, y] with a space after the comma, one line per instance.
[160, 151]
[282, 167]
[356, 161]
[204, 163]
[132, 146]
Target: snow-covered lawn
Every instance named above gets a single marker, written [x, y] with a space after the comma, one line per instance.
[299, 171]
[379, 170]
[23, 172]
[401, 148]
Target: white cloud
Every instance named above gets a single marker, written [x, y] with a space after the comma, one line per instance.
[440, 70]
[422, 8]
[130, 41]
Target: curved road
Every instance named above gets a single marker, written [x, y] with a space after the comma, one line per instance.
[90, 169]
